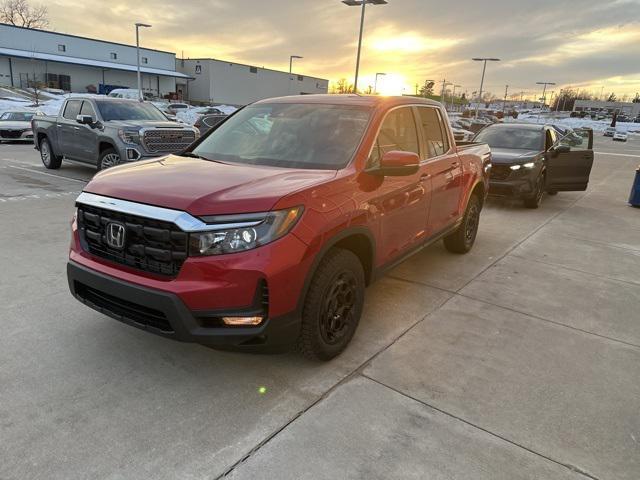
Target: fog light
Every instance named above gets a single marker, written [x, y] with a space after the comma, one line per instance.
[236, 321]
[133, 154]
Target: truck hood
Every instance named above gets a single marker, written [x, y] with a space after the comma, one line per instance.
[145, 124]
[511, 155]
[203, 187]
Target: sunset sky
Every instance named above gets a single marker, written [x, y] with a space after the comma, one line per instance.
[586, 43]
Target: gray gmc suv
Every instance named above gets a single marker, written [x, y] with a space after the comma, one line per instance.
[105, 132]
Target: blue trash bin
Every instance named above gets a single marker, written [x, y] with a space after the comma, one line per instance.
[634, 198]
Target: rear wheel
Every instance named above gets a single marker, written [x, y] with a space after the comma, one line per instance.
[108, 158]
[49, 159]
[462, 240]
[332, 306]
[534, 200]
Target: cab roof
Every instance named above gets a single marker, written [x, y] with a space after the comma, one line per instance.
[352, 99]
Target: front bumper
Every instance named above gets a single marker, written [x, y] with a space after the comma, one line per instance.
[518, 188]
[165, 314]
[16, 135]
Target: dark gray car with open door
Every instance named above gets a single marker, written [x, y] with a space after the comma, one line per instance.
[529, 160]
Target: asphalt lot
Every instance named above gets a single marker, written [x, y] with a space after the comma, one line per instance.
[517, 361]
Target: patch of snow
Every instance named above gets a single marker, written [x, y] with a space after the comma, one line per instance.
[568, 122]
[190, 115]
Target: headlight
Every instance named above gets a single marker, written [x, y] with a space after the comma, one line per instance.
[217, 242]
[528, 165]
[131, 137]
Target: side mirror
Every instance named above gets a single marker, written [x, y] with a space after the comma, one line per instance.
[84, 119]
[397, 164]
[562, 149]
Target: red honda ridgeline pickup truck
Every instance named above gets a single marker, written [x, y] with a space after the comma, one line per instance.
[264, 233]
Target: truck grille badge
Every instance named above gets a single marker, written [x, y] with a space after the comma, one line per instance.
[115, 235]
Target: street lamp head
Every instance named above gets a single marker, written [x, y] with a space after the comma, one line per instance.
[356, 3]
[146, 25]
[296, 56]
[486, 59]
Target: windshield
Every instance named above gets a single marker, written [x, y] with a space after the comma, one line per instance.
[289, 135]
[17, 116]
[129, 111]
[518, 138]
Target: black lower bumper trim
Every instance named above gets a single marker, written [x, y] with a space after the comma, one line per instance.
[164, 314]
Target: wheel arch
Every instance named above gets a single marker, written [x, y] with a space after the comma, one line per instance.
[359, 241]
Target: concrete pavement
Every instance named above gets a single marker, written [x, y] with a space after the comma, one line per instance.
[519, 360]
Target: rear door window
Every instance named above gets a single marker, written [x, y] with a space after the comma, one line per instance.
[435, 138]
[398, 132]
[72, 109]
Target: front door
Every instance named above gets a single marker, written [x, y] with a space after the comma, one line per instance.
[569, 162]
[85, 146]
[402, 203]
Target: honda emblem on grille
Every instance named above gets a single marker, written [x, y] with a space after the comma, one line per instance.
[115, 235]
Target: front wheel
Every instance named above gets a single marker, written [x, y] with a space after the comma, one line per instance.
[332, 306]
[534, 200]
[462, 240]
[108, 158]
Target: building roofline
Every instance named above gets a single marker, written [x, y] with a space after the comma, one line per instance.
[248, 65]
[85, 38]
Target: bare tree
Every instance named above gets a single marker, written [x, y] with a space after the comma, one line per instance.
[21, 14]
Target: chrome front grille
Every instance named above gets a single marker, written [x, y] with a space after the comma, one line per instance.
[167, 140]
[150, 245]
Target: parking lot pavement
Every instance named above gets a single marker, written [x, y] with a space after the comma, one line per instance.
[518, 360]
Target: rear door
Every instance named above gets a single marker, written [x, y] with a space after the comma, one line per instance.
[442, 165]
[68, 127]
[569, 162]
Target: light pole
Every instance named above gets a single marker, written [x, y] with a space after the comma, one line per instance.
[544, 95]
[363, 3]
[138, 25]
[484, 69]
[453, 94]
[375, 84]
[291, 57]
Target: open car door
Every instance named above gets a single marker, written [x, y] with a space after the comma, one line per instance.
[569, 162]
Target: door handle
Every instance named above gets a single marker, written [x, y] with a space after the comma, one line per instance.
[76, 128]
[425, 176]
[455, 165]
[58, 125]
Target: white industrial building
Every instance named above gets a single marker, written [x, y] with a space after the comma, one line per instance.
[79, 64]
[596, 106]
[221, 82]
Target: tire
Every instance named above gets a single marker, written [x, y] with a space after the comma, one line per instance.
[462, 240]
[108, 158]
[337, 284]
[49, 159]
[534, 200]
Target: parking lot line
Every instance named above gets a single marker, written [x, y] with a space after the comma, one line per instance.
[617, 154]
[48, 174]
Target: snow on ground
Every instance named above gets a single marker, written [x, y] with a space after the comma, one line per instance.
[190, 115]
[52, 103]
[568, 122]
